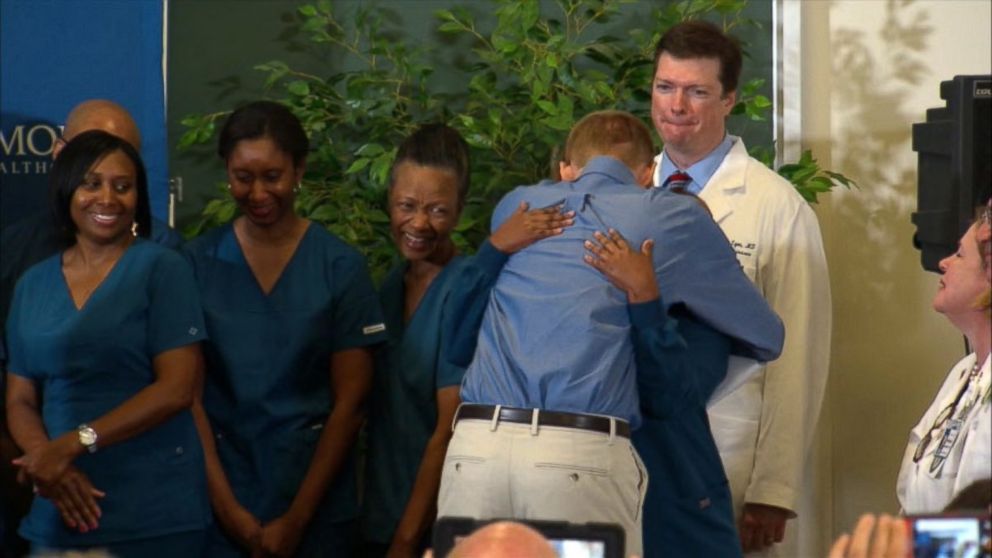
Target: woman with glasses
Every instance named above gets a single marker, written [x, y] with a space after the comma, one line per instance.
[951, 446]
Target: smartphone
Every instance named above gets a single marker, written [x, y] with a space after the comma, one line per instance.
[570, 540]
[953, 536]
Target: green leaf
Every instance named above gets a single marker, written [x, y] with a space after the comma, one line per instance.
[324, 214]
[358, 165]
[529, 14]
[548, 107]
[307, 10]
[380, 168]
[298, 87]
[370, 150]
[445, 15]
[226, 212]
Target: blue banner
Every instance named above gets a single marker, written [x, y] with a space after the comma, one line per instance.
[55, 54]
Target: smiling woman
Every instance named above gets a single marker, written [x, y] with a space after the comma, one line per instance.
[291, 313]
[102, 191]
[415, 392]
[103, 342]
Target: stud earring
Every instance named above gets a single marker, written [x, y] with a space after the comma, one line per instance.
[228, 186]
[298, 188]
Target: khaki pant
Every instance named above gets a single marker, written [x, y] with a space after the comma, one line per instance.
[508, 470]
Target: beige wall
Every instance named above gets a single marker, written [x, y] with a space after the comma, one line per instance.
[870, 69]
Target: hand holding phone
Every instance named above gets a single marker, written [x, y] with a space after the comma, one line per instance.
[954, 536]
[890, 540]
[918, 536]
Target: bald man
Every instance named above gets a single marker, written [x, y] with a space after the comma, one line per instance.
[98, 114]
[34, 238]
[504, 539]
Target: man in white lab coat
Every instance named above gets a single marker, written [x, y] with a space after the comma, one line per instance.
[764, 427]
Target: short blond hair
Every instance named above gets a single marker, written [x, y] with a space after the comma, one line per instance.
[615, 133]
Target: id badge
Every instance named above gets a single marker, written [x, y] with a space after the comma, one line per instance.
[946, 444]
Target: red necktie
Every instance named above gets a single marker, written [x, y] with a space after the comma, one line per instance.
[677, 182]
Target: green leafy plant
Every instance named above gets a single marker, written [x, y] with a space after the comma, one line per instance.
[529, 75]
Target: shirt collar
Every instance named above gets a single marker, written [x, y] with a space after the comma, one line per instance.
[703, 170]
[610, 167]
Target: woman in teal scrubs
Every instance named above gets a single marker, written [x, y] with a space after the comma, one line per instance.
[291, 313]
[103, 346]
[415, 392]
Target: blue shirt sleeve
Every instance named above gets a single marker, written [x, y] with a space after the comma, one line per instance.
[697, 267]
[466, 305]
[175, 317]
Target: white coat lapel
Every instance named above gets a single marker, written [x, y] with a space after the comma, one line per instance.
[727, 184]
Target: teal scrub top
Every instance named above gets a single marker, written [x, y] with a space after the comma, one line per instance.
[267, 388]
[409, 369]
[86, 362]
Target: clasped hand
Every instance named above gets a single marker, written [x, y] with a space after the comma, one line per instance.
[49, 468]
[277, 538]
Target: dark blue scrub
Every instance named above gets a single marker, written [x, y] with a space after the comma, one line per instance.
[409, 370]
[85, 363]
[267, 388]
[687, 510]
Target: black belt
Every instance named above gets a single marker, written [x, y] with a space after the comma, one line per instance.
[594, 423]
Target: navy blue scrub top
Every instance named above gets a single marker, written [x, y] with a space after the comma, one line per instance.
[409, 370]
[267, 388]
[86, 362]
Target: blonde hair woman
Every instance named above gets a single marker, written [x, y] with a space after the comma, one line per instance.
[951, 446]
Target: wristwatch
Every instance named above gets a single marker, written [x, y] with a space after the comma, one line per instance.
[87, 437]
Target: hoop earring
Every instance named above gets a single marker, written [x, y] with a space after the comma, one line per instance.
[134, 228]
[298, 188]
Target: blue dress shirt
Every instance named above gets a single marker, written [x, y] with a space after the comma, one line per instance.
[555, 334]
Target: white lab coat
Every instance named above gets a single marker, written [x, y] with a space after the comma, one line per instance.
[764, 427]
[969, 458]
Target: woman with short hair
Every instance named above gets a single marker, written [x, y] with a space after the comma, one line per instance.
[951, 446]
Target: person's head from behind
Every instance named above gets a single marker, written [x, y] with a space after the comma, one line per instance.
[965, 288]
[99, 190]
[696, 70]
[264, 148]
[428, 183]
[503, 539]
[98, 114]
[611, 133]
